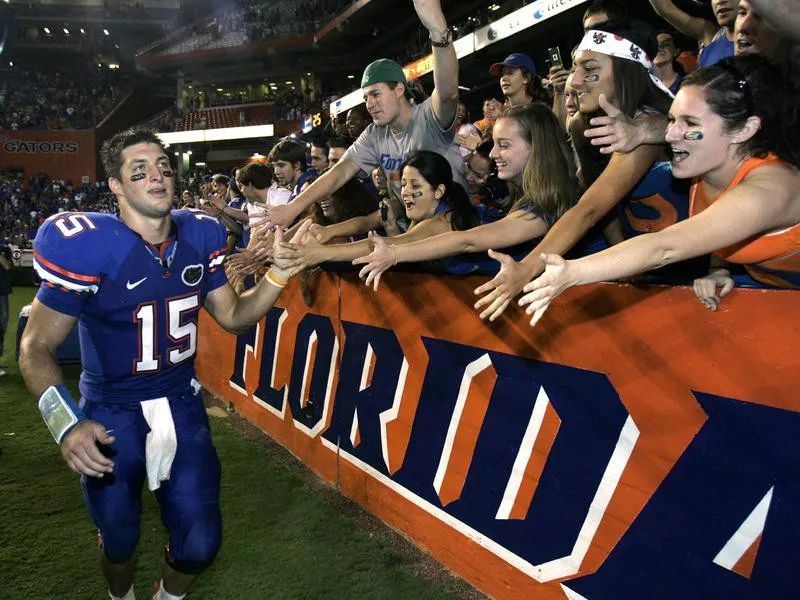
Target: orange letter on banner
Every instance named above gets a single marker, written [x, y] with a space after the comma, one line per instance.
[465, 426]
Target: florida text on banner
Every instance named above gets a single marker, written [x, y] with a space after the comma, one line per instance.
[633, 445]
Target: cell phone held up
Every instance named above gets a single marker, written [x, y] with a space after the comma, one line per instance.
[554, 57]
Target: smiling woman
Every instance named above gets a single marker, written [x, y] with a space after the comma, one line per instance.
[612, 69]
[745, 194]
[536, 162]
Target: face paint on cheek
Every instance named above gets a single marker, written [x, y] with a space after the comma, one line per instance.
[416, 195]
[138, 176]
[693, 136]
[166, 173]
[592, 78]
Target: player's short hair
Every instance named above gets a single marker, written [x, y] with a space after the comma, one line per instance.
[111, 152]
[258, 175]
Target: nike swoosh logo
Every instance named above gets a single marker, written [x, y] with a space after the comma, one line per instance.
[130, 285]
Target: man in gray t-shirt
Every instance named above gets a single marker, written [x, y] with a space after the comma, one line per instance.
[379, 145]
[398, 127]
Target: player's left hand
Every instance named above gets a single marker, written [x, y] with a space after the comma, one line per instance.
[80, 451]
[556, 278]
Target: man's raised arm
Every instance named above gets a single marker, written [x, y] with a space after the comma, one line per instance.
[694, 27]
[445, 61]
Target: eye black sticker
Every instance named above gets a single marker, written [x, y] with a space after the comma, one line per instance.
[138, 176]
[693, 136]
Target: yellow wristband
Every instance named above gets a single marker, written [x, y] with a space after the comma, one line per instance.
[276, 281]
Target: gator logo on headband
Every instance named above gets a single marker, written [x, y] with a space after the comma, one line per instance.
[636, 52]
[599, 37]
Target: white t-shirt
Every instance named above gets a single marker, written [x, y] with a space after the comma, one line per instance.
[276, 196]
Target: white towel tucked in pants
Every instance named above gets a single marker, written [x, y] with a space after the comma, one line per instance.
[161, 443]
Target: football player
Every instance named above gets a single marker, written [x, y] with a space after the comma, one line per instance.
[135, 284]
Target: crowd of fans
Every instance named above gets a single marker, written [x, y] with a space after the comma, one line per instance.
[55, 100]
[282, 19]
[598, 203]
[27, 200]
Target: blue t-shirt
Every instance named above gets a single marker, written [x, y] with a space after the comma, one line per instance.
[721, 47]
[137, 310]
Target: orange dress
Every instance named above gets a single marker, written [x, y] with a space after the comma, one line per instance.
[770, 258]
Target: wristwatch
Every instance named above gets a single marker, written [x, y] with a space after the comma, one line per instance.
[445, 41]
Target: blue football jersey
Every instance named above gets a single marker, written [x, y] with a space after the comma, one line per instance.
[137, 315]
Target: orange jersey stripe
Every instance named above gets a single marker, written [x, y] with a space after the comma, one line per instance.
[43, 261]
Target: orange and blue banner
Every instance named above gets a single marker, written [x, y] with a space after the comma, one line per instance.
[632, 445]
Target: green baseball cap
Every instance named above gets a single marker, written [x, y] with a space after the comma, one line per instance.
[382, 70]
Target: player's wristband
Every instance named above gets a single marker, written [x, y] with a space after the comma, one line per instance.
[59, 410]
[275, 280]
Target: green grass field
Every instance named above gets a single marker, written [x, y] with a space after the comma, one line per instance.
[287, 536]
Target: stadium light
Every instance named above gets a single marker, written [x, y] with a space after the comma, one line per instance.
[66, 30]
[106, 32]
[83, 31]
[494, 7]
[47, 30]
[351, 76]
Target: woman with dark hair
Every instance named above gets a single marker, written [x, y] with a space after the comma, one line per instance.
[734, 131]
[353, 199]
[434, 203]
[612, 67]
[518, 80]
[533, 158]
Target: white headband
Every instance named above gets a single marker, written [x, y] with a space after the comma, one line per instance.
[616, 45]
